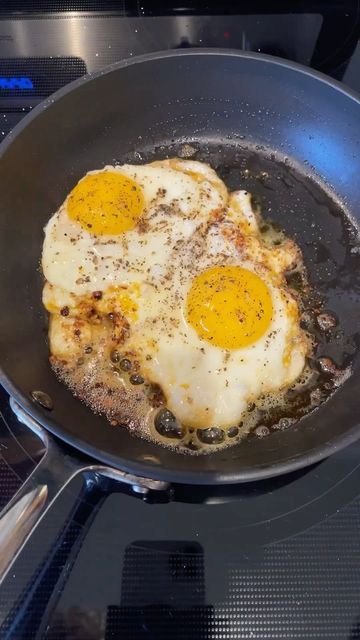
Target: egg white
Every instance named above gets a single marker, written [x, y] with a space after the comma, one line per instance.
[203, 384]
[176, 204]
[190, 224]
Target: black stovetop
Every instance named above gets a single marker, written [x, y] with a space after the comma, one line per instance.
[277, 559]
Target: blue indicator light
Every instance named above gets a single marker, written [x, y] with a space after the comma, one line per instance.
[16, 83]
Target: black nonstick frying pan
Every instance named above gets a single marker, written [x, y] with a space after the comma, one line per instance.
[287, 134]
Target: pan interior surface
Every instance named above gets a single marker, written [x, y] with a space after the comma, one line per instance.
[290, 139]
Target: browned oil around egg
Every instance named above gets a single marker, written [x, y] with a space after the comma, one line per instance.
[119, 391]
[276, 411]
[151, 419]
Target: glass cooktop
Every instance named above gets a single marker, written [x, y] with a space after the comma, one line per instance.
[276, 559]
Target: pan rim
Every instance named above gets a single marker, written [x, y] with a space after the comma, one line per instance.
[148, 469]
[176, 53]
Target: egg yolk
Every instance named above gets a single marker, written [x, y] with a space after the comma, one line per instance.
[228, 306]
[106, 203]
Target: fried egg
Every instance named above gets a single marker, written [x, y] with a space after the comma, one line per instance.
[162, 291]
[119, 223]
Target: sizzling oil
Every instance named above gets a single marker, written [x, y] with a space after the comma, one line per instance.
[271, 182]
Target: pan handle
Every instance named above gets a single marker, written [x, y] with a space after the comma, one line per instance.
[55, 471]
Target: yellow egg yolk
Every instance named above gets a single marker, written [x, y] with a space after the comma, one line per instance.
[106, 203]
[228, 306]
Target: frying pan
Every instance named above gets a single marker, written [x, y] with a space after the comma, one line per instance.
[288, 134]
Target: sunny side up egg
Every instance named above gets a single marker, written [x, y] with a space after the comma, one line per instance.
[163, 292]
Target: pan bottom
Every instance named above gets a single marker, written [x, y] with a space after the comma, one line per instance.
[297, 203]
